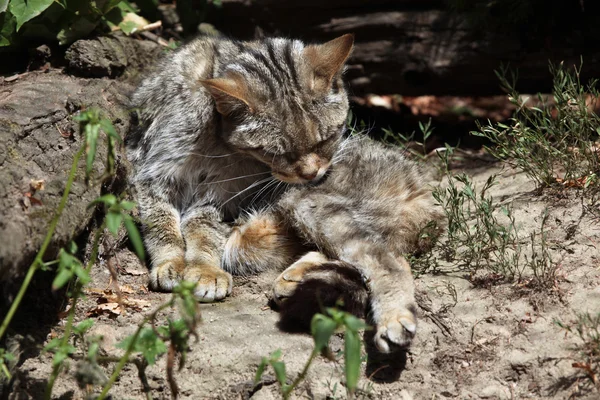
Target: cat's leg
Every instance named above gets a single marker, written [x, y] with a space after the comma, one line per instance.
[205, 236]
[162, 238]
[174, 259]
[261, 241]
[313, 283]
[392, 292]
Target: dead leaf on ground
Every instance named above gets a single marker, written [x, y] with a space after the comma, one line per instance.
[106, 308]
[110, 302]
[33, 200]
[127, 289]
[37, 184]
[579, 183]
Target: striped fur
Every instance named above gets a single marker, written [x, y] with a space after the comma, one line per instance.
[369, 212]
[232, 131]
[218, 121]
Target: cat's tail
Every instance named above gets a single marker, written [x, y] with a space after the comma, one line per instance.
[261, 241]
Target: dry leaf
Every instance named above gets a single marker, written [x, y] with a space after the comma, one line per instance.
[33, 200]
[111, 308]
[127, 289]
[37, 184]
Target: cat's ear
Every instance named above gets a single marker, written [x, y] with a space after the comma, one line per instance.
[230, 94]
[327, 60]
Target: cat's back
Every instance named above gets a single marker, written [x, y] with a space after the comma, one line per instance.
[370, 170]
[177, 75]
[371, 192]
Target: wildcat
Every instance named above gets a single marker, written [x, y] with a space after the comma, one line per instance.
[227, 127]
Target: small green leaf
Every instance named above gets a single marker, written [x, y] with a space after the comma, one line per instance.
[147, 343]
[353, 323]
[276, 355]
[83, 326]
[127, 205]
[91, 141]
[82, 274]
[279, 368]
[93, 350]
[128, 27]
[61, 279]
[63, 352]
[7, 356]
[110, 4]
[351, 359]
[72, 247]
[3, 5]
[53, 344]
[24, 10]
[58, 358]
[321, 328]
[126, 6]
[108, 199]
[110, 130]
[113, 221]
[260, 371]
[134, 236]
[8, 24]
[65, 259]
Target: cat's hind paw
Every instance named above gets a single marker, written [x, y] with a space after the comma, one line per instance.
[212, 282]
[286, 284]
[396, 330]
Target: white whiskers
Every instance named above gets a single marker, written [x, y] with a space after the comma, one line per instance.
[218, 156]
[255, 184]
[234, 179]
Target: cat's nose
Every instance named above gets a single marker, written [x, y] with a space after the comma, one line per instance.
[314, 175]
[309, 176]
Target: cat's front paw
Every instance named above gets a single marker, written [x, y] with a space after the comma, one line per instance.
[167, 275]
[212, 282]
[396, 329]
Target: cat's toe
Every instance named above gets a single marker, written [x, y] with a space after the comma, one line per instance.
[166, 276]
[396, 331]
[285, 286]
[212, 282]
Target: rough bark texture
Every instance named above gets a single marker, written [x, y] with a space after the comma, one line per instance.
[110, 56]
[38, 139]
[413, 47]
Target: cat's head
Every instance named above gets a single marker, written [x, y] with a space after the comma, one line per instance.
[285, 104]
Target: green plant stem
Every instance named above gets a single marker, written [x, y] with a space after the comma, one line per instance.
[76, 294]
[38, 261]
[125, 358]
[288, 390]
[6, 371]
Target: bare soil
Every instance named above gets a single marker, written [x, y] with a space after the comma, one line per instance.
[495, 342]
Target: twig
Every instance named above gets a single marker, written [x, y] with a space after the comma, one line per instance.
[141, 366]
[154, 38]
[287, 391]
[149, 27]
[170, 366]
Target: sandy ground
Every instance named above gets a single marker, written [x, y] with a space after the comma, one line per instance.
[498, 342]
